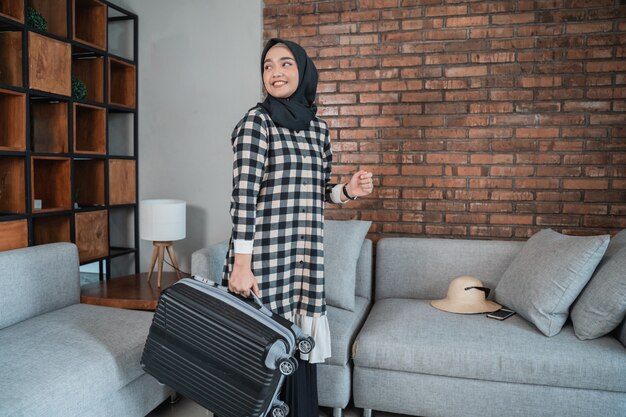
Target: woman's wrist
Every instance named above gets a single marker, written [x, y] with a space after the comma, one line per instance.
[347, 193]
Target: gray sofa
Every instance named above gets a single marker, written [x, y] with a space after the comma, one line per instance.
[411, 358]
[62, 358]
[335, 375]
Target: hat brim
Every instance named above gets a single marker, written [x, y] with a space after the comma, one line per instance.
[485, 306]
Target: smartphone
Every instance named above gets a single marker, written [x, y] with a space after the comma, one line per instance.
[502, 314]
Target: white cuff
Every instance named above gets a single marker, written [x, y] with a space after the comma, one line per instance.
[336, 193]
[243, 246]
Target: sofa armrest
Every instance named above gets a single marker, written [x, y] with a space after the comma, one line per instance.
[209, 262]
[37, 280]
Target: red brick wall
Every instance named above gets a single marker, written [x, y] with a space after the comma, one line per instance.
[486, 119]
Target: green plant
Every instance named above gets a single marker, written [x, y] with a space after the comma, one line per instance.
[79, 89]
[36, 19]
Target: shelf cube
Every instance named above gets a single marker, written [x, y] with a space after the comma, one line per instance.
[91, 235]
[12, 121]
[12, 185]
[11, 58]
[90, 70]
[49, 64]
[13, 9]
[13, 234]
[90, 23]
[122, 84]
[51, 229]
[55, 13]
[122, 181]
[49, 126]
[89, 129]
[50, 178]
[89, 182]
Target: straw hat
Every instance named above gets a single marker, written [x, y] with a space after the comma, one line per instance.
[466, 295]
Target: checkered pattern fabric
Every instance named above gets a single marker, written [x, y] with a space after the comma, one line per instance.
[280, 183]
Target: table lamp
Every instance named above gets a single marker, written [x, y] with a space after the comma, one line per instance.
[162, 221]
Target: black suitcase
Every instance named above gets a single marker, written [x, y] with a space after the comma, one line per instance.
[227, 353]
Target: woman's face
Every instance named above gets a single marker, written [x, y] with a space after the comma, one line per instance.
[280, 72]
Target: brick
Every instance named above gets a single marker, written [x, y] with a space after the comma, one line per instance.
[366, 50]
[538, 159]
[358, 39]
[540, 30]
[605, 221]
[298, 32]
[512, 19]
[559, 171]
[512, 44]
[337, 75]
[491, 33]
[510, 95]
[422, 72]
[446, 10]
[469, 21]
[489, 159]
[586, 209]
[589, 27]
[421, 217]
[378, 74]
[537, 107]
[472, 145]
[358, 63]
[379, 98]
[359, 110]
[445, 206]
[358, 134]
[359, 16]
[466, 46]
[586, 184]
[491, 207]
[420, 48]
[490, 183]
[469, 195]
[336, 6]
[445, 133]
[337, 98]
[470, 71]
[377, 4]
[490, 231]
[587, 106]
[469, 121]
[317, 19]
[531, 82]
[445, 182]
[491, 108]
[510, 219]
[493, 57]
[472, 218]
[404, 61]
[446, 158]
[409, 109]
[503, 171]
[422, 170]
[445, 59]
[380, 216]
[360, 158]
[404, 228]
[605, 196]
[558, 196]
[465, 95]
[423, 194]
[445, 108]
[380, 122]
[512, 195]
[490, 133]
[558, 220]
[538, 207]
[445, 34]
[536, 183]
[445, 230]
[606, 66]
[514, 145]
[537, 132]
[379, 27]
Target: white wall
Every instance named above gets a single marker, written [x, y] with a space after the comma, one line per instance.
[199, 73]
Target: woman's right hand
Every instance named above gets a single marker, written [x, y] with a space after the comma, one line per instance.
[242, 280]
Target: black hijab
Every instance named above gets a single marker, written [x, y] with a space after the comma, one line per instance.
[297, 111]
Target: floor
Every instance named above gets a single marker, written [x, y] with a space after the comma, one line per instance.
[187, 408]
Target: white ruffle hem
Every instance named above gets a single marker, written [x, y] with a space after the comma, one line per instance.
[317, 328]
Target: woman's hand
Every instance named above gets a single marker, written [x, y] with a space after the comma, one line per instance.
[242, 279]
[360, 184]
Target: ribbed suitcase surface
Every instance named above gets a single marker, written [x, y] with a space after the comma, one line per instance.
[211, 351]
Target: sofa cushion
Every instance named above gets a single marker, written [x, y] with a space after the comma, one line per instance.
[602, 304]
[342, 247]
[78, 353]
[429, 341]
[344, 326]
[547, 275]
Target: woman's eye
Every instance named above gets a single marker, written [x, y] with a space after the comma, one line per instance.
[265, 68]
[287, 64]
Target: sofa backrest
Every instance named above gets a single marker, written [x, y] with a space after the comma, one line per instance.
[36, 280]
[422, 268]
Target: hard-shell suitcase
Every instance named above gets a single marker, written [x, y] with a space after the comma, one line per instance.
[227, 353]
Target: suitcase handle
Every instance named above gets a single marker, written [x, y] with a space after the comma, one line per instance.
[252, 295]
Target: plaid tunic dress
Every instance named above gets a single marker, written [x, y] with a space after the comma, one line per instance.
[280, 183]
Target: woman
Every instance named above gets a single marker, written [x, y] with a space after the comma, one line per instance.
[281, 173]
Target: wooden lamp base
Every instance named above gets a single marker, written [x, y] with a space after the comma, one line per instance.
[159, 254]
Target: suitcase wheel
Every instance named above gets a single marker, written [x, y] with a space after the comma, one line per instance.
[288, 366]
[306, 345]
[280, 411]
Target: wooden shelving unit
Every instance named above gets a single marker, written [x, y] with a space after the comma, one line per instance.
[11, 58]
[12, 120]
[67, 161]
[12, 9]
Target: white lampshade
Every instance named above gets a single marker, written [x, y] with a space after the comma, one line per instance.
[162, 220]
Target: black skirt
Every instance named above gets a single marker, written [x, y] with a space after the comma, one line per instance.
[299, 391]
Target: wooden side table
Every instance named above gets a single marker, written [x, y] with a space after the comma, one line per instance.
[132, 291]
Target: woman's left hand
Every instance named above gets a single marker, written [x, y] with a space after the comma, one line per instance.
[361, 184]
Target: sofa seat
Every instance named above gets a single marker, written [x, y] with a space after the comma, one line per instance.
[343, 325]
[77, 355]
[412, 336]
